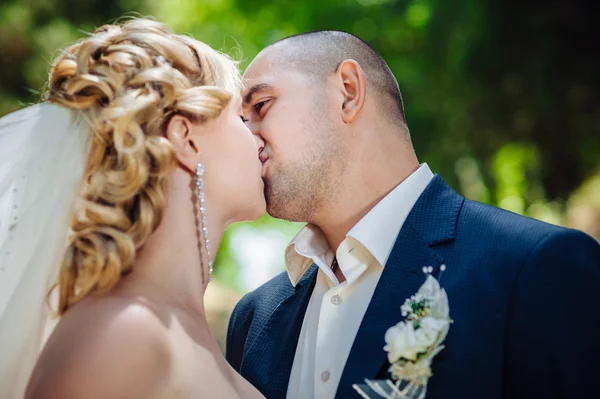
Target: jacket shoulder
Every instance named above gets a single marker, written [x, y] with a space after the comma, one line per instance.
[502, 227]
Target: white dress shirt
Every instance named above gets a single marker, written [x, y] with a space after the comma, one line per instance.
[335, 309]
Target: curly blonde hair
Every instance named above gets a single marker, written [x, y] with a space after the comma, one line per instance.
[127, 81]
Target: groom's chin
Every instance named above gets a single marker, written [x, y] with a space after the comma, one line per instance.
[277, 204]
[279, 210]
[272, 207]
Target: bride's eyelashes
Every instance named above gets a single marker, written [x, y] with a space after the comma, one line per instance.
[243, 119]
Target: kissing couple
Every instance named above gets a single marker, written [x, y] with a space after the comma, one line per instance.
[115, 192]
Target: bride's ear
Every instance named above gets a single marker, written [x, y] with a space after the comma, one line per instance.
[180, 133]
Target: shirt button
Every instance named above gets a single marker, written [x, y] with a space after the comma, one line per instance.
[336, 299]
[325, 376]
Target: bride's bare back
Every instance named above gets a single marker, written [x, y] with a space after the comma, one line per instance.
[114, 347]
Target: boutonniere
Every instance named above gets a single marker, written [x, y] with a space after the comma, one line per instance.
[412, 344]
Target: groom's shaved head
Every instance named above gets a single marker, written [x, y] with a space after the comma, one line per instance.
[318, 55]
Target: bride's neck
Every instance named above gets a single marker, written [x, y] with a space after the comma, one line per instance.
[169, 269]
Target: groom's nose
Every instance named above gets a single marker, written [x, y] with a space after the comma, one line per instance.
[254, 128]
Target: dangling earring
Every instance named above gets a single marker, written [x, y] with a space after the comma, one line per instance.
[200, 193]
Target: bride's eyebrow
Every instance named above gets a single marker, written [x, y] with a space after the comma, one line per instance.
[254, 90]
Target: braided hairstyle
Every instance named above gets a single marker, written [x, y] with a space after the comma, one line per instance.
[127, 81]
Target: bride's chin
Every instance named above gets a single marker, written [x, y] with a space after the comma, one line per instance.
[260, 203]
[252, 211]
[259, 210]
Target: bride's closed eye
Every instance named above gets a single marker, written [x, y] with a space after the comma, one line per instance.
[243, 119]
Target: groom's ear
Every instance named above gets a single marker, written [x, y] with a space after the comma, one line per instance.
[179, 133]
[354, 89]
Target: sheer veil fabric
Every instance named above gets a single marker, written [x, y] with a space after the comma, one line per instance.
[43, 155]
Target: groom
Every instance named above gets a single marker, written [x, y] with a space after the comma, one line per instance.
[524, 296]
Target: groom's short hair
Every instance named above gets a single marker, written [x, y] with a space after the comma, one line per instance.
[319, 53]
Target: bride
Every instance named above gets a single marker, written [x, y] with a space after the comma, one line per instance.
[138, 160]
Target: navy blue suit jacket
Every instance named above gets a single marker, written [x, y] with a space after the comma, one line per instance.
[524, 296]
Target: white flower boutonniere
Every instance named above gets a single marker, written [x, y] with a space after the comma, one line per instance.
[412, 344]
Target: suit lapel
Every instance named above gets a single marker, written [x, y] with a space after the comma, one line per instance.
[268, 361]
[431, 221]
[401, 278]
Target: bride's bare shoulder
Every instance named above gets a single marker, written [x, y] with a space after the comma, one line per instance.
[105, 348]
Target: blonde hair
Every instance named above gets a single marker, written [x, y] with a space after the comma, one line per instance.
[127, 81]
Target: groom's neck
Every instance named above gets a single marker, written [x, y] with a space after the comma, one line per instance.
[366, 184]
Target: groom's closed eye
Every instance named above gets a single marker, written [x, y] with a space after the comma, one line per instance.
[259, 106]
[254, 90]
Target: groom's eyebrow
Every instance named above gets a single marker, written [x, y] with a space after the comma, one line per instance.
[255, 90]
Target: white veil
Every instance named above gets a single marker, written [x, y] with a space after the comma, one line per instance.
[43, 153]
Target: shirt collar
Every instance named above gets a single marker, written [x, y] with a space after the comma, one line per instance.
[377, 230]
[308, 244]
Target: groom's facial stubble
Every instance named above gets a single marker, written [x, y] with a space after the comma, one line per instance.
[292, 115]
